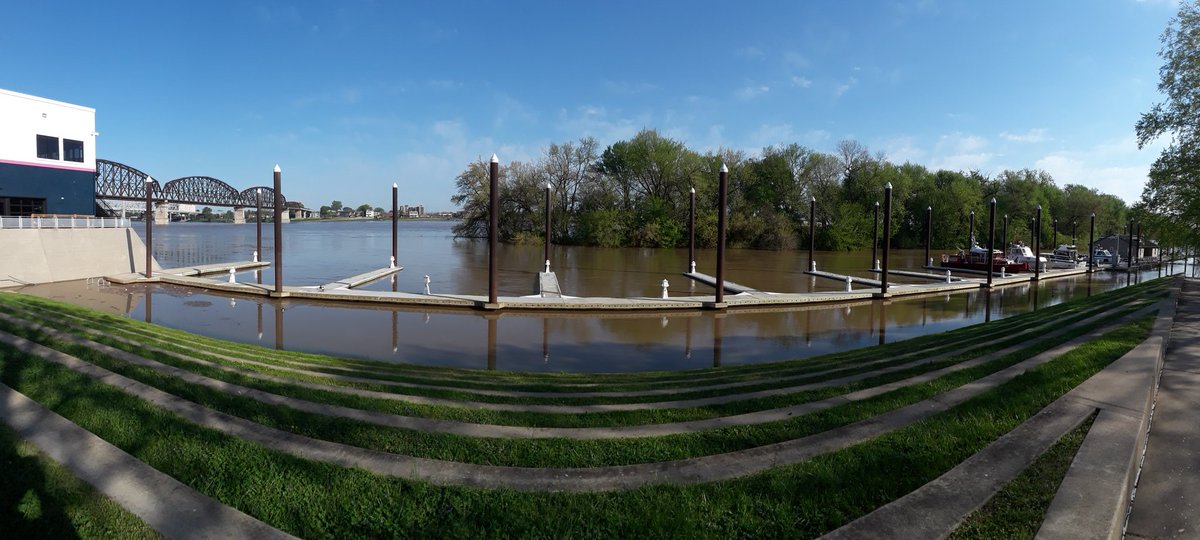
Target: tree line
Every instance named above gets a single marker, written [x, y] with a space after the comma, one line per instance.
[636, 192]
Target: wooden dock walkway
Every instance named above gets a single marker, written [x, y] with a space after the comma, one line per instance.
[842, 278]
[200, 270]
[361, 279]
[548, 286]
[921, 275]
[730, 287]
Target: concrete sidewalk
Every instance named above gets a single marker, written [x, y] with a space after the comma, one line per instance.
[1167, 502]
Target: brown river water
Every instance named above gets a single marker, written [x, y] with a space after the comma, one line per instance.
[323, 252]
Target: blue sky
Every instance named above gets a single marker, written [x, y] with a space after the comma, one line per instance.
[351, 96]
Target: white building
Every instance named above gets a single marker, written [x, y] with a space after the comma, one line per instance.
[47, 156]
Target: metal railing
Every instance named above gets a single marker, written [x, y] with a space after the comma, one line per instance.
[63, 222]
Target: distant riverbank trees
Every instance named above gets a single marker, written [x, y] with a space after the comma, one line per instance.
[635, 193]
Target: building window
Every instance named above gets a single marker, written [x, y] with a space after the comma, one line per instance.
[22, 206]
[47, 147]
[73, 150]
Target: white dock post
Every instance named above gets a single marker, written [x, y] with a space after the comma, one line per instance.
[255, 256]
[391, 262]
[664, 288]
[814, 266]
[547, 266]
[947, 276]
[232, 275]
[849, 284]
[877, 265]
[426, 283]
[930, 262]
[1003, 272]
[693, 267]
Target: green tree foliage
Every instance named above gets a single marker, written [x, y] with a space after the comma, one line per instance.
[635, 192]
[1171, 198]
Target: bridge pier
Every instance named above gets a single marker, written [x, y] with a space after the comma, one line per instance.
[162, 214]
[239, 216]
[286, 216]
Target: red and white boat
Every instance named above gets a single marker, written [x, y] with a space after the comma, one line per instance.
[978, 258]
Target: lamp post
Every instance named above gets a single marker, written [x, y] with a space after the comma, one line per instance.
[149, 229]
[1004, 242]
[493, 224]
[812, 229]
[692, 230]
[1092, 244]
[971, 234]
[887, 236]
[547, 226]
[1054, 223]
[1037, 245]
[928, 225]
[875, 236]
[395, 222]
[278, 231]
[258, 225]
[1129, 248]
[991, 240]
[1074, 229]
[721, 196]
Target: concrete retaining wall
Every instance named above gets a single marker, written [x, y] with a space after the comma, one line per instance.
[48, 255]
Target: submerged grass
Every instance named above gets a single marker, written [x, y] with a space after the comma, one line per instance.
[320, 500]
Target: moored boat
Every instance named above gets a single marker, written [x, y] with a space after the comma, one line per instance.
[1065, 256]
[1104, 256]
[978, 258]
[1019, 253]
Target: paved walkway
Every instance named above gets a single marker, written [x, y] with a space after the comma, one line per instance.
[1167, 504]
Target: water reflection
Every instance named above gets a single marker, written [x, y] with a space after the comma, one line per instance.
[600, 342]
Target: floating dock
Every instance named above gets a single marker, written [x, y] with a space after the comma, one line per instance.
[742, 297]
[361, 279]
[730, 287]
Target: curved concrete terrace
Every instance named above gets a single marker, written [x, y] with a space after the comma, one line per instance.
[1092, 501]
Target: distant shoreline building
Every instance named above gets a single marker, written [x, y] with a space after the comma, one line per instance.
[47, 156]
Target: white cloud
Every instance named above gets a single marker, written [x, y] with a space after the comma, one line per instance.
[629, 88]
[801, 81]
[845, 87]
[752, 91]
[961, 152]
[902, 150]
[444, 84]
[1032, 136]
[753, 53]
[1116, 167]
[796, 60]
[589, 120]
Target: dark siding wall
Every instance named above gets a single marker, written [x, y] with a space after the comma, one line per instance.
[66, 192]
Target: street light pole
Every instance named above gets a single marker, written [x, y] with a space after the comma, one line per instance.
[721, 201]
[278, 230]
[692, 230]
[149, 229]
[887, 236]
[493, 224]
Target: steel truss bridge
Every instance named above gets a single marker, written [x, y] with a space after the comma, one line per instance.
[120, 182]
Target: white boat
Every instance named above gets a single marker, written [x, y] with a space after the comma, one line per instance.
[1104, 256]
[1065, 256]
[1021, 254]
